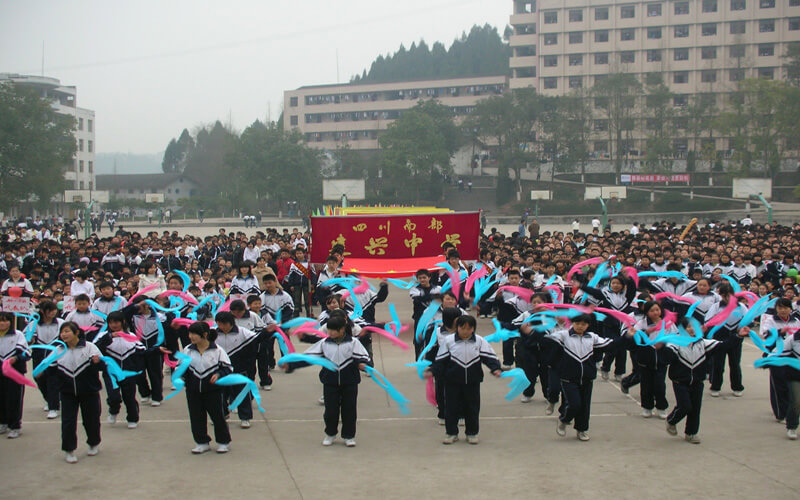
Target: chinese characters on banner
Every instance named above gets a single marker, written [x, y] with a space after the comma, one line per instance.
[395, 236]
[653, 178]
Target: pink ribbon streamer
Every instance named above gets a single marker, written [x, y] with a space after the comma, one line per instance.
[618, 315]
[430, 392]
[126, 336]
[588, 262]
[187, 322]
[750, 297]
[455, 282]
[188, 297]
[388, 335]
[480, 273]
[307, 328]
[363, 287]
[722, 316]
[523, 293]
[9, 372]
[633, 274]
[289, 344]
[143, 291]
[557, 290]
[169, 362]
[225, 307]
[669, 295]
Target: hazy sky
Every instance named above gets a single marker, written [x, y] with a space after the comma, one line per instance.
[151, 68]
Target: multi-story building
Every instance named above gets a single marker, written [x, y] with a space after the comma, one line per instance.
[80, 175]
[329, 116]
[697, 46]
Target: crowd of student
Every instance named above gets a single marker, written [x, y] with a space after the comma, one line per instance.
[88, 296]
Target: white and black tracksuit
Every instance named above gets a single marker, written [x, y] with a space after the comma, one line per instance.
[706, 301]
[106, 306]
[273, 306]
[421, 298]
[531, 354]
[731, 347]
[204, 399]
[651, 366]
[339, 388]
[778, 383]
[688, 366]
[458, 365]
[12, 394]
[89, 320]
[153, 358]
[253, 322]
[241, 345]
[509, 307]
[611, 327]
[46, 334]
[245, 285]
[129, 356]
[79, 384]
[678, 287]
[577, 370]
[441, 400]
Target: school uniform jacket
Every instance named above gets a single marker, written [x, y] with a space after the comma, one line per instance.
[421, 298]
[510, 305]
[689, 364]
[346, 355]
[576, 363]
[271, 304]
[106, 306]
[76, 372]
[245, 285]
[459, 361]
[731, 323]
[368, 300]
[12, 344]
[47, 333]
[682, 287]
[770, 321]
[706, 301]
[213, 361]
[648, 356]
[149, 325]
[128, 355]
[253, 322]
[240, 345]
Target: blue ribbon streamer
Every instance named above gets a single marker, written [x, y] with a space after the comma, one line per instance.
[500, 333]
[311, 360]
[249, 387]
[115, 372]
[301, 320]
[769, 341]
[33, 322]
[46, 362]
[281, 344]
[663, 274]
[481, 286]
[395, 321]
[177, 381]
[519, 382]
[734, 284]
[759, 308]
[421, 364]
[425, 319]
[403, 284]
[186, 280]
[383, 382]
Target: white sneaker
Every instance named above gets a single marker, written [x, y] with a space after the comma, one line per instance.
[201, 448]
[321, 401]
[14, 433]
[133, 425]
[525, 399]
[155, 403]
[561, 428]
[791, 434]
[548, 410]
[604, 374]
[223, 448]
[46, 407]
[244, 424]
[3, 428]
[328, 440]
[112, 419]
[618, 377]
[52, 414]
[662, 414]
[93, 450]
[350, 443]
[583, 436]
[692, 438]
[473, 440]
[672, 430]
[507, 367]
[145, 401]
[647, 413]
[714, 394]
[449, 439]
[737, 394]
[70, 457]
[266, 387]
[441, 421]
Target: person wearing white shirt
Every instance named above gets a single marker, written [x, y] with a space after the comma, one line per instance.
[595, 223]
[747, 221]
[81, 285]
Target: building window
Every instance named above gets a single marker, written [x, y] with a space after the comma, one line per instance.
[794, 3]
[680, 54]
[601, 36]
[550, 83]
[680, 100]
[600, 78]
[550, 61]
[738, 4]
[600, 125]
[766, 49]
[709, 29]
[680, 77]
[682, 31]
[80, 144]
[80, 123]
[293, 102]
[681, 145]
[601, 58]
[653, 56]
[601, 14]
[708, 53]
[736, 75]
[654, 33]
[601, 103]
[736, 51]
[627, 57]
[627, 12]
[766, 25]
[627, 35]
[766, 73]
[708, 76]
[293, 120]
[575, 82]
[576, 37]
[794, 23]
[90, 124]
[575, 16]
[681, 8]
[653, 10]
[738, 28]
[600, 146]
[91, 184]
[551, 17]
[551, 39]
[709, 6]
[81, 185]
[90, 146]
[766, 4]
[91, 166]
[680, 123]
[576, 60]
[80, 166]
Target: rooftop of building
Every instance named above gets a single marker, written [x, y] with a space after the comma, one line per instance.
[450, 81]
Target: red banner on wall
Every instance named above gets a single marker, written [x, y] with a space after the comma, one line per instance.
[395, 236]
[653, 178]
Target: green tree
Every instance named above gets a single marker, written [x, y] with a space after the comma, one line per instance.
[616, 98]
[792, 64]
[658, 112]
[206, 162]
[572, 130]
[36, 146]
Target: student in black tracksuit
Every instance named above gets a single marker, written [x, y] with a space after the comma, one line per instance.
[448, 327]
[509, 306]
[141, 317]
[79, 383]
[204, 399]
[731, 344]
[577, 370]
[129, 355]
[458, 363]
[651, 366]
[421, 297]
[368, 300]
[340, 388]
[14, 347]
[46, 333]
[784, 321]
[241, 346]
[530, 352]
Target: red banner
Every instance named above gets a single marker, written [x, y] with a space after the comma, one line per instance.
[626, 178]
[395, 236]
